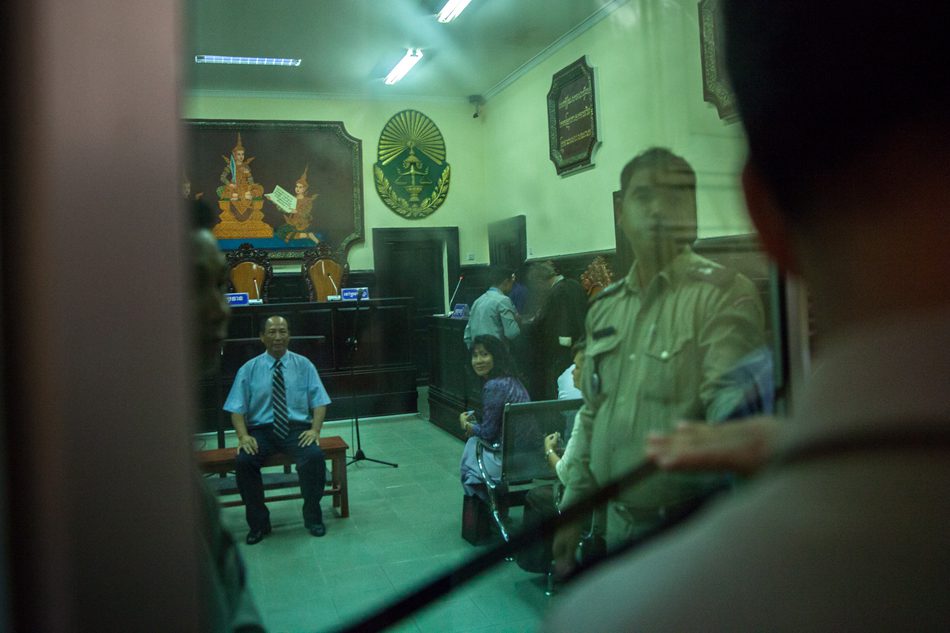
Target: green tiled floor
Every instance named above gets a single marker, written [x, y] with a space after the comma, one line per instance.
[404, 526]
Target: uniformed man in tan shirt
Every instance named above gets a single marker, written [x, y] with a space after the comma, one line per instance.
[660, 343]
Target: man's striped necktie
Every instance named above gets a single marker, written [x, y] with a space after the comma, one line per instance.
[281, 424]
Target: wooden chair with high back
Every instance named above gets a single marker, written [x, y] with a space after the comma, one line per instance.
[323, 274]
[250, 271]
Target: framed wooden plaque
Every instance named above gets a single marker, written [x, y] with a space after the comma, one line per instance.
[716, 88]
[572, 117]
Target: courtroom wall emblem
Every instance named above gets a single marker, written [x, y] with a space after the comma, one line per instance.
[412, 177]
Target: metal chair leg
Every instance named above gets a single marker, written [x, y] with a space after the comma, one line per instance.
[490, 487]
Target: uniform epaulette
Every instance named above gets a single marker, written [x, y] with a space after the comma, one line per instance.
[609, 290]
[711, 272]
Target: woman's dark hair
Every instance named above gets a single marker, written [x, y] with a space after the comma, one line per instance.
[503, 363]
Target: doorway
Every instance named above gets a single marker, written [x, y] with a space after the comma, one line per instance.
[419, 263]
[508, 242]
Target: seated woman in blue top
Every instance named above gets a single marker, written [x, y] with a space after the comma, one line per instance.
[492, 363]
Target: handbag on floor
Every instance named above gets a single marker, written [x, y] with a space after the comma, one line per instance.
[475, 520]
[539, 506]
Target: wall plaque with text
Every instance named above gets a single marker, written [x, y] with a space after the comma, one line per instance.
[716, 89]
[572, 118]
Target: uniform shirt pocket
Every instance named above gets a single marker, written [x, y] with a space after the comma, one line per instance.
[670, 373]
[601, 367]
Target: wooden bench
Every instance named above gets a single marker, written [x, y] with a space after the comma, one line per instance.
[221, 461]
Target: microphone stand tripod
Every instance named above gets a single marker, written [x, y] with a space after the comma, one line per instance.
[353, 343]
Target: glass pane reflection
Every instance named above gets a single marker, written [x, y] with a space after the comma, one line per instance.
[682, 324]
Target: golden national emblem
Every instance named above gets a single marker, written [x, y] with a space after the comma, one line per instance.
[411, 175]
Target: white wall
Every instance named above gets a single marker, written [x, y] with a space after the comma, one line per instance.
[649, 92]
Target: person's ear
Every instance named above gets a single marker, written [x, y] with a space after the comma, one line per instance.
[769, 220]
[618, 207]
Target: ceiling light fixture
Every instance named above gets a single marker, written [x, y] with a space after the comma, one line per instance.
[404, 66]
[245, 61]
[452, 9]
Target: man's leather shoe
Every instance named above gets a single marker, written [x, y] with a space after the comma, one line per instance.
[317, 529]
[256, 536]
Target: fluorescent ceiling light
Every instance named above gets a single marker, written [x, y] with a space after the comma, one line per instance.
[405, 64]
[452, 9]
[245, 61]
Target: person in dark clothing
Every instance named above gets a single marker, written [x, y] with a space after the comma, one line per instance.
[558, 324]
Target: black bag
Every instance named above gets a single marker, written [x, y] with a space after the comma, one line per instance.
[539, 506]
[475, 520]
[591, 548]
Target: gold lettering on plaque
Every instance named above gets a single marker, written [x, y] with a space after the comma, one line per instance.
[577, 137]
[580, 114]
[566, 101]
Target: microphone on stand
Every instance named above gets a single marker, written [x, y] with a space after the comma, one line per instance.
[457, 286]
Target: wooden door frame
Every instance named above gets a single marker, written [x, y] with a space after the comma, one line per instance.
[448, 235]
[497, 232]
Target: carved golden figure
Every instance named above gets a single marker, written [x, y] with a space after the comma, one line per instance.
[240, 199]
[297, 223]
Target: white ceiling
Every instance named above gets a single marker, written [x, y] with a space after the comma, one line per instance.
[348, 46]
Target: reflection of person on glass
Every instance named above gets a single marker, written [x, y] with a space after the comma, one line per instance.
[493, 364]
[229, 605]
[186, 192]
[846, 530]
[660, 346]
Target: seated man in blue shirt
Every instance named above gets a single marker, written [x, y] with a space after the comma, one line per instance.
[277, 404]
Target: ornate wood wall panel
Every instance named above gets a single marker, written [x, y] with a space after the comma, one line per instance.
[235, 165]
